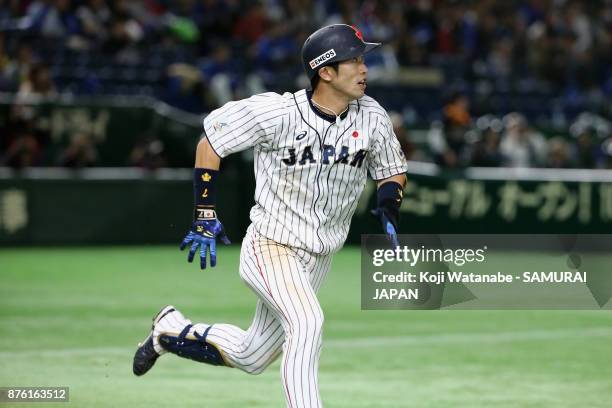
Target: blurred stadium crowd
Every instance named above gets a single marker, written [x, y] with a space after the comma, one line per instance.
[506, 65]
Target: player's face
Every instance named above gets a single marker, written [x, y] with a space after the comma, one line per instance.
[351, 78]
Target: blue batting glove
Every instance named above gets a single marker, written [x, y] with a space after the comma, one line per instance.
[387, 225]
[203, 234]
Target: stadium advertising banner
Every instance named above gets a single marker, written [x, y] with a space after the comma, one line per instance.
[38, 206]
[114, 124]
[505, 200]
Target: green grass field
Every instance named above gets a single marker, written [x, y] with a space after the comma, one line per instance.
[73, 317]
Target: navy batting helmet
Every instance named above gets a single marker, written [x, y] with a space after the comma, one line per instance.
[333, 43]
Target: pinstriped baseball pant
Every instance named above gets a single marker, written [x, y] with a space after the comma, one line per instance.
[288, 317]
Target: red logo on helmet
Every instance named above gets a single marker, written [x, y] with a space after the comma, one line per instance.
[357, 33]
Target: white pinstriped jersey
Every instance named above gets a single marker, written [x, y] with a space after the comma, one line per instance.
[309, 171]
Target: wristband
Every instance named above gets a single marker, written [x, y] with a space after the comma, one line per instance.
[389, 198]
[204, 190]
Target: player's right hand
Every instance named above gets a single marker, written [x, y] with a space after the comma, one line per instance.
[203, 234]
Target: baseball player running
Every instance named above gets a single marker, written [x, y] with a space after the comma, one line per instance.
[313, 150]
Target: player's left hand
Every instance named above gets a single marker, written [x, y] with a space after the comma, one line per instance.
[203, 234]
[387, 224]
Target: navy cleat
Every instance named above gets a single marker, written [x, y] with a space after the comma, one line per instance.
[146, 355]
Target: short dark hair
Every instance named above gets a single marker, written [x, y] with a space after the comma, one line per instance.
[314, 81]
